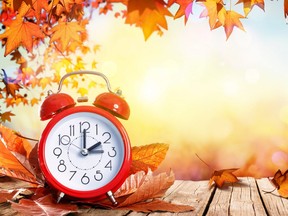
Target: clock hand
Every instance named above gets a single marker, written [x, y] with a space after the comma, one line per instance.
[84, 139]
[94, 146]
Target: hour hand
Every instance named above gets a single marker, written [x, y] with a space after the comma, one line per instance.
[94, 146]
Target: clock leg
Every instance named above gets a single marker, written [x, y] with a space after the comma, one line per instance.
[111, 197]
[60, 196]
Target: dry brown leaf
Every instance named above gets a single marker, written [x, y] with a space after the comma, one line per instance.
[148, 156]
[221, 176]
[154, 187]
[280, 181]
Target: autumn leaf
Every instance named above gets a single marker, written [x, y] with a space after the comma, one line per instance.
[11, 86]
[147, 14]
[219, 177]
[157, 205]
[280, 181]
[6, 116]
[232, 20]
[66, 32]
[249, 4]
[153, 187]
[14, 153]
[43, 206]
[6, 195]
[20, 33]
[148, 156]
[215, 10]
[185, 8]
[82, 91]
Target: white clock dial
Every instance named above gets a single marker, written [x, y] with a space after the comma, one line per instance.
[84, 151]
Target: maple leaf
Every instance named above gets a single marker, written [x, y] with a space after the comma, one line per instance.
[280, 181]
[44, 82]
[33, 9]
[66, 32]
[6, 116]
[215, 10]
[11, 86]
[249, 4]
[82, 91]
[43, 206]
[20, 32]
[231, 20]
[148, 156]
[185, 8]
[34, 101]
[221, 176]
[147, 14]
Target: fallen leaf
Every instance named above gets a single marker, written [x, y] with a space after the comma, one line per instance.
[153, 187]
[221, 176]
[148, 156]
[43, 206]
[158, 205]
[280, 181]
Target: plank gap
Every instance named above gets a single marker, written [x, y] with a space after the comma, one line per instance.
[261, 198]
[209, 201]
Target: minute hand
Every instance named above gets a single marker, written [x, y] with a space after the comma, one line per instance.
[94, 146]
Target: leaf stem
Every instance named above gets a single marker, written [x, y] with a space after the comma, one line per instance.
[19, 135]
[204, 162]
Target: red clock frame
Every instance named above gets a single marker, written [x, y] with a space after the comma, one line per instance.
[92, 194]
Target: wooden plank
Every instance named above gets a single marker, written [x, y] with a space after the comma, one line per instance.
[275, 205]
[240, 198]
[194, 193]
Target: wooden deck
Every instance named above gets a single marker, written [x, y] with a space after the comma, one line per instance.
[247, 197]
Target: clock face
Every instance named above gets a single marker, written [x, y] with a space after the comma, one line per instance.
[83, 151]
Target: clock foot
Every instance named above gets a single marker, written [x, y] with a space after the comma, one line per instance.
[60, 196]
[111, 197]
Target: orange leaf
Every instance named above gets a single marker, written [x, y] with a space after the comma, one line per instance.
[11, 86]
[285, 8]
[222, 176]
[249, 4]
[231, 20]
[66, 32]
[6, 116]
[148, 156]
[280, 181]
[147, 14]
[21, 32]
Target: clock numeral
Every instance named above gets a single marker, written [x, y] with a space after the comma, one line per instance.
[57, 152]
[85, 179]
[107, 137]
[73, 174]
[61, 166]
[84, 126]
[109, 165]
[113, 153]
[72, 130]
[98, 176]
[96, 129]
[64, 140]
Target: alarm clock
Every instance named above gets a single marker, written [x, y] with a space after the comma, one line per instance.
[84, 151]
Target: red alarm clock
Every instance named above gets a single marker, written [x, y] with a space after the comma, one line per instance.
[84, 151]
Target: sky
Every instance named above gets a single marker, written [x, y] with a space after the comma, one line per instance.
[225, 100]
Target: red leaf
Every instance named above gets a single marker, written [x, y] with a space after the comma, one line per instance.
[43, 206]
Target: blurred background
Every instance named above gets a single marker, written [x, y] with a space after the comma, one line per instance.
[226, 101]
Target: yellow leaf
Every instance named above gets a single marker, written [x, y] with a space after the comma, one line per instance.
[44, 82]
[82, 91]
